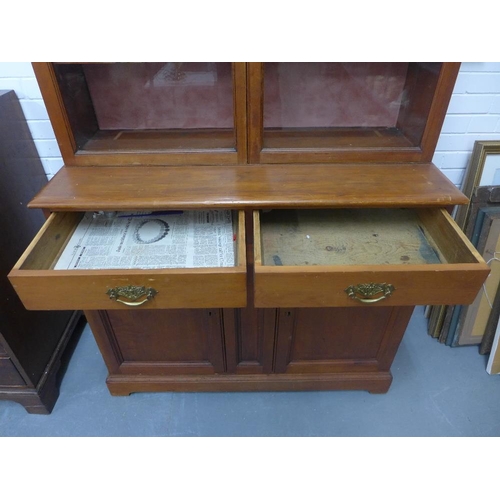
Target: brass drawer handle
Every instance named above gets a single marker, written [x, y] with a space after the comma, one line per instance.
[131, 292]
[364, 291]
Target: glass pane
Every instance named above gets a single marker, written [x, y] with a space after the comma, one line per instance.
[161, 95]
[121, 107]
[347, 104]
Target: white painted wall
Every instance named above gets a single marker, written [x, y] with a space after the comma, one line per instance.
[20, 78]
[473, 114]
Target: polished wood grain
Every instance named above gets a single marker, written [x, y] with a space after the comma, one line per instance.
[448, 237]
[52, 98]
[322, 287]
[395, 331]
[325, 139]
[9, 376]
[38, 393]
[178, 350]
[374, 382]
[260, 186]
[49, 242]
[240, 111]
[133, 141]
[63, 290]
[454, 281]
[40, 287]
[249, 331]
[32, 342]
[335, 340]
[439, 106]
[255, 110]
[328, 340]
[178, 341]
[78, 111]
[73, 118]
[252, 327]
[428, 94]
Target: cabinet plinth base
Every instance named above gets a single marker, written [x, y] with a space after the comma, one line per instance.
[374, 382]
[33, 401]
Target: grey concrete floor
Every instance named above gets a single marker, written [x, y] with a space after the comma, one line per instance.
[437, 391]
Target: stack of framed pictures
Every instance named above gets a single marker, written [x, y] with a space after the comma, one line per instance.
[480, 220]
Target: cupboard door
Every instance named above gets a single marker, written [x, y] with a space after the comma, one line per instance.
[333, 112]
[155, 113]
[338, 340]
[170, 342]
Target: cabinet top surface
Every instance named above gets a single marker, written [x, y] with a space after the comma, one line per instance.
[248, 186]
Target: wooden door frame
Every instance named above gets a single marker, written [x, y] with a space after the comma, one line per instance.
[47, 80]
[257, 153]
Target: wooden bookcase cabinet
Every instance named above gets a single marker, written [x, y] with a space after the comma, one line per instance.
[264, 324]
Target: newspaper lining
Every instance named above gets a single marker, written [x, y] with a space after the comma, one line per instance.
[159, 240]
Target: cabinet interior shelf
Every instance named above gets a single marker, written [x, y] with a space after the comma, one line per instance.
[136, 141]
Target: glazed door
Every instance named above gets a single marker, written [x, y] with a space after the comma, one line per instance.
[147, 113]
[346, 112]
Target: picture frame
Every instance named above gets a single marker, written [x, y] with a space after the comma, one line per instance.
[484, 200]
[483, 170]
[493, 365]
[473, 318]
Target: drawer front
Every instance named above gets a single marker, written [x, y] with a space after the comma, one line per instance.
[9, 375]
[455, 281]
[327, 288]
[42, 288]
[109, 291]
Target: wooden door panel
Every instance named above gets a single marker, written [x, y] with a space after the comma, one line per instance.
[313, 340]
[176, 341]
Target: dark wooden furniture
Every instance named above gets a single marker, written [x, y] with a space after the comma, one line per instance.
[310, 154]
[32, 343]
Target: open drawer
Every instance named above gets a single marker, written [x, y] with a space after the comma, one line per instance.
[40, 286]
[355, 257]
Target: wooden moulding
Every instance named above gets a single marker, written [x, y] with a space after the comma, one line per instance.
[375, 382]
[40, 287]
[248, 186]
[322, 139]
[132, 141]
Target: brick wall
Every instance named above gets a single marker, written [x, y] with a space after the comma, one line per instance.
[20, 78]
[473, 114]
